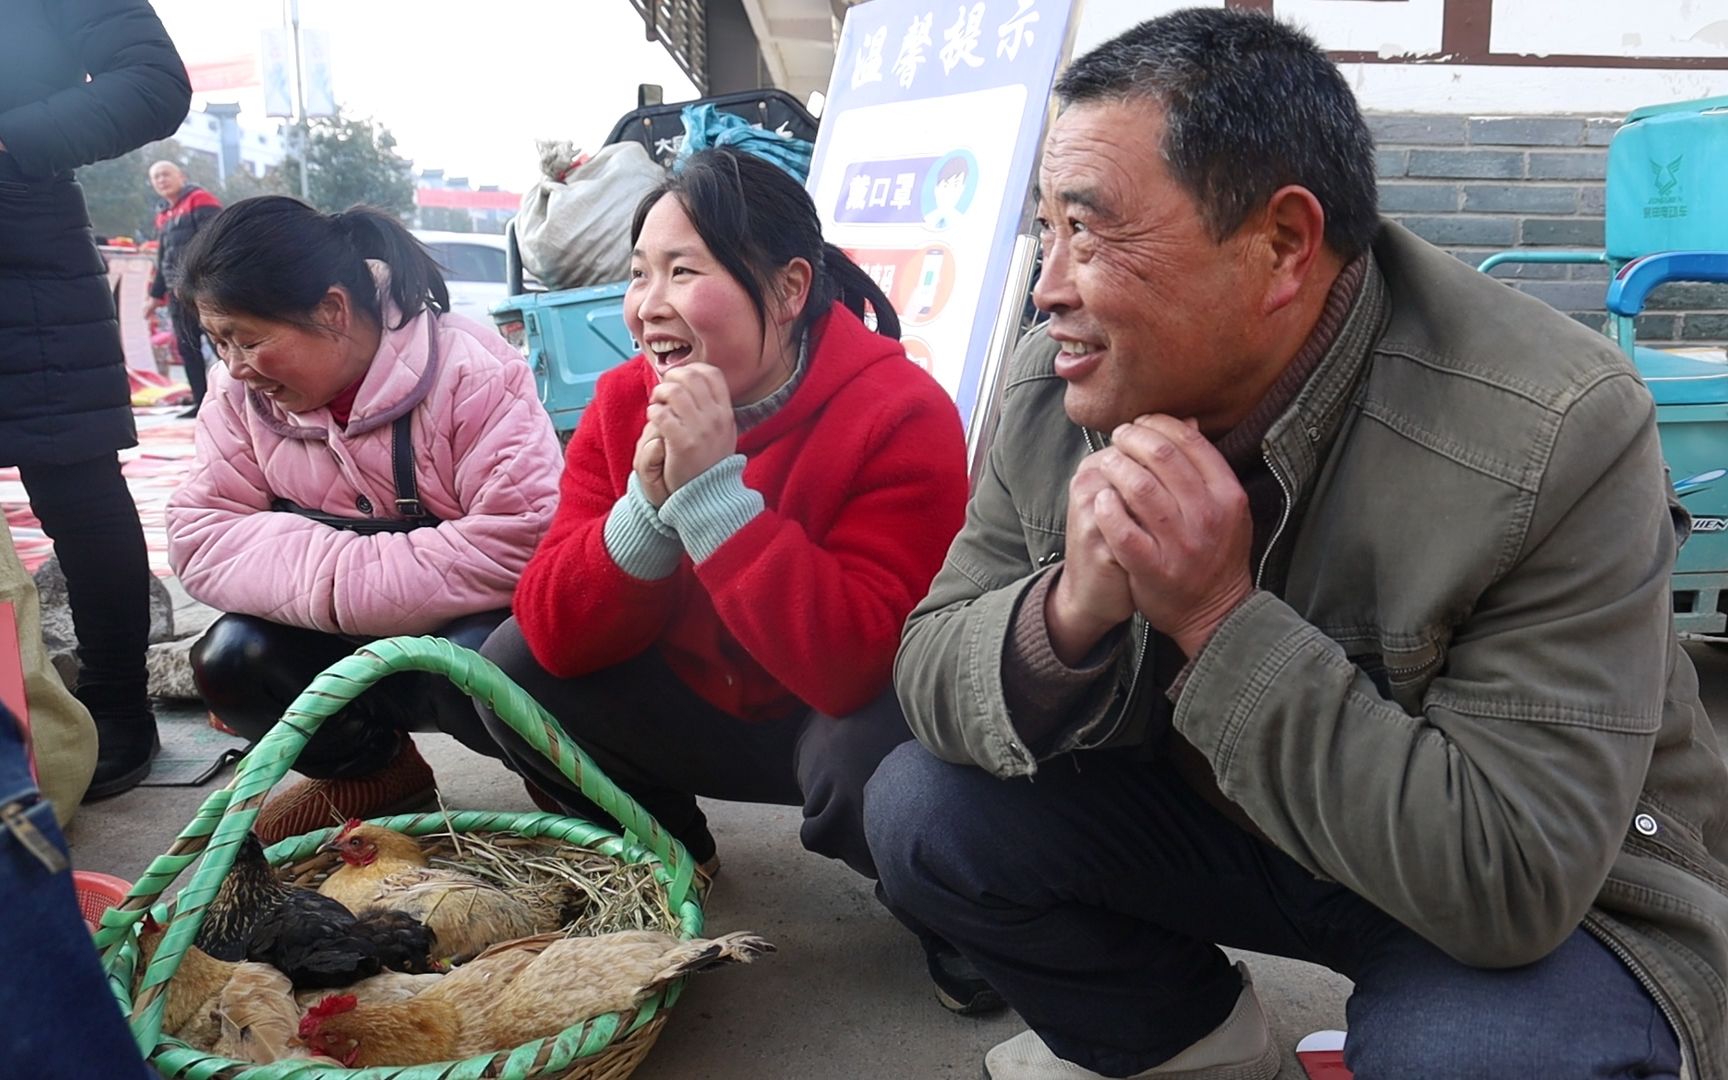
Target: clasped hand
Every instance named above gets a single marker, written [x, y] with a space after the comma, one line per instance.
[690, 429]
[1159, 524]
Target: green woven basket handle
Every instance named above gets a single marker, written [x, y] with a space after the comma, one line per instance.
[227, 815]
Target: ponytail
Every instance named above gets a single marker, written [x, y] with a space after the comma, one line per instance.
[274, 257]
[850, 285]
[416, 283]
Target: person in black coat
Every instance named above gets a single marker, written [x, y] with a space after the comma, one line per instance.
[65, 402]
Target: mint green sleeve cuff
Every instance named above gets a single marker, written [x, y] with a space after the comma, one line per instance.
[642, 544]
[708, 510]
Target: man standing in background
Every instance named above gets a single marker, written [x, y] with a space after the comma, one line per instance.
[183, 211]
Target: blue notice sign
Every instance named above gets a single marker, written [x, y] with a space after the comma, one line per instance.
[924, 161]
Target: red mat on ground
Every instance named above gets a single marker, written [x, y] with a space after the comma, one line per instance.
[153, 469]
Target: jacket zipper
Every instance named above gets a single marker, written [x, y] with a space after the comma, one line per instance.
[1127, 709]
[1146, 632]
[1601, 933]
[1283, 519]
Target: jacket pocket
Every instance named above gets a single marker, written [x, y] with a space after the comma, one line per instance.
[1046, 539]
[25, 189]
[19, 198]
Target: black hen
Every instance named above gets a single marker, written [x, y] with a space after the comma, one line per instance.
[312, 939]
[404, 943]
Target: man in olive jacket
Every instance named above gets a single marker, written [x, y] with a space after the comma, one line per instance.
[1314, 602]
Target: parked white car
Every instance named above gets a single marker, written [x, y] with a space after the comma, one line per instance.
[473, 268]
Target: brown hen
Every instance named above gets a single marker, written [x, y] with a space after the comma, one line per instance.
[515, 993]
[383, 868]
[204, 990]
[382, 987]
[257, 1015]
[245, 1010]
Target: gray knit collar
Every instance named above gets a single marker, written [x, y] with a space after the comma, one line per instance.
[748, 416]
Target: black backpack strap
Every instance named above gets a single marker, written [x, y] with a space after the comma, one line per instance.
[402, 464]
[402, 447]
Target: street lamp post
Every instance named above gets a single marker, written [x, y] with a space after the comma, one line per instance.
[302, 132]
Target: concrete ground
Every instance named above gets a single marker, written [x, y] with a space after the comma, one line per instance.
[846, 995]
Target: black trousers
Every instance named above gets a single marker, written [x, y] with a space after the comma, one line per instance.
[86, 509]
[250, 670]
[662, 743]
[189, 342]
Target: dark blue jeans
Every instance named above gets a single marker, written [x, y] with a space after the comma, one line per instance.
[1094, 898]
[60, 1019]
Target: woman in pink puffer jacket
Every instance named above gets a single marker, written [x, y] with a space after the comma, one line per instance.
[368, 465]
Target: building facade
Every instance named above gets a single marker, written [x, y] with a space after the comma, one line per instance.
[216, 134]
[1493, 118]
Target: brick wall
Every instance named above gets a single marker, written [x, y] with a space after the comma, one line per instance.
[1475, 185]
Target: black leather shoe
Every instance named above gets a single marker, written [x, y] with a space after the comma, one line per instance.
[123, 754]
[959, 987]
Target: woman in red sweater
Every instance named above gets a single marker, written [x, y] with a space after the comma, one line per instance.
[749, 510]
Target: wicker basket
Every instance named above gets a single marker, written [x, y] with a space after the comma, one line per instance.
[601, 1048]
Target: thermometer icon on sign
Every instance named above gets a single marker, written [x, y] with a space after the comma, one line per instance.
[923, 300]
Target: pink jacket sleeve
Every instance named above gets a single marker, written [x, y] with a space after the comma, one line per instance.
[233, 556]
[226, 547]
